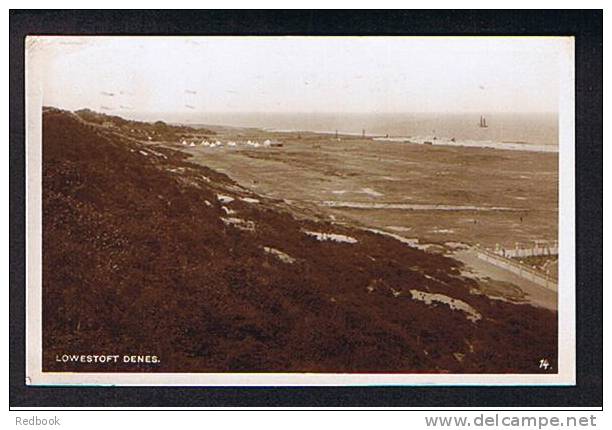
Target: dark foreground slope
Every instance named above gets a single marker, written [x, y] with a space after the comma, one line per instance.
[142, 257]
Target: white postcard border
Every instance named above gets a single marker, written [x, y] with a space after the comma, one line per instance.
[566, 314]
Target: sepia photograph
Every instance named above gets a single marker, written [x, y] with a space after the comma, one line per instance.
[300, 210]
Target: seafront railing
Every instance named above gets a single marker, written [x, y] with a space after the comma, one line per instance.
[536, 249]
[517, 268]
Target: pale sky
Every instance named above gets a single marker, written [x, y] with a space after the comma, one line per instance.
[132, 75]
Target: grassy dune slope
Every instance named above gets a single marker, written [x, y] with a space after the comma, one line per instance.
[137, 259]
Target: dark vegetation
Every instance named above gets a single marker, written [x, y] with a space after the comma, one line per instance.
[137, 260]
[156, 131]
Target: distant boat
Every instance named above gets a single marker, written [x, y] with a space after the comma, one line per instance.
[483, 122]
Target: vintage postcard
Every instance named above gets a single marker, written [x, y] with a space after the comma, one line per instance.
[300, 210]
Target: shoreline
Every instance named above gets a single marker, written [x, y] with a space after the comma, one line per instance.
[434, 141]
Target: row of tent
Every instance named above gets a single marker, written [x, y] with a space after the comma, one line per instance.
[216, 143]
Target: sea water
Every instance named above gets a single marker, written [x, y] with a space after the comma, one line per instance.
[514, 131]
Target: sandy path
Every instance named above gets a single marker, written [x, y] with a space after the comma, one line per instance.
[536, 294]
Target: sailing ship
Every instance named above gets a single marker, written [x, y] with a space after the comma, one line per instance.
[483, 122]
